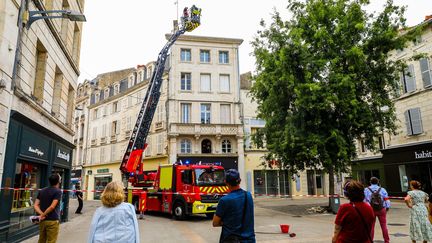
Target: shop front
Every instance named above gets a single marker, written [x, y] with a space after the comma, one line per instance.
[97, 177]
[364, 169]
[32, 154]
[405, 163]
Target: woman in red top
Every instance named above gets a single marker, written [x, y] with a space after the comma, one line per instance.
[355, 219]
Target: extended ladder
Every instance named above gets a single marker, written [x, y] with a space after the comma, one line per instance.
[137, 142]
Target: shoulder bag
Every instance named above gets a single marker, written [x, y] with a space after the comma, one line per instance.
[364, 223]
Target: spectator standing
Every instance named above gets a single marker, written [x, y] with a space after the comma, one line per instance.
[116, 220]
[378, 198]
[420, 227]
[47, 205]
[354, 220]
[79, 195]
[235, 212]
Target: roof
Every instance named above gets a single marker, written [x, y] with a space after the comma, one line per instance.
[208, 39]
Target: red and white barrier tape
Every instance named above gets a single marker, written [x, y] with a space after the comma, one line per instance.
[192, 193]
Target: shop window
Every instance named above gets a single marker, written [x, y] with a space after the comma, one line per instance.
[365, 176]
[100, 184]
[206, 146]
[27, 176]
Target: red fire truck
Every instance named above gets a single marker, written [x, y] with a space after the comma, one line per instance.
[177, 189]
[181, 190]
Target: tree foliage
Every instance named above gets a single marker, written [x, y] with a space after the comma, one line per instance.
[324, 79]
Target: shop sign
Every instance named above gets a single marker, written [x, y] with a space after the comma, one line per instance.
[34, 145]
[36, 151]
[63, 155]
[423, 154]
[106, 170]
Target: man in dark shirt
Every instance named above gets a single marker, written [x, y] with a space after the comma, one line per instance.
[235, 212]
[47, 205]
[79, 196]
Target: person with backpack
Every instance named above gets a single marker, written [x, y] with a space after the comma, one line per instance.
[378, 198]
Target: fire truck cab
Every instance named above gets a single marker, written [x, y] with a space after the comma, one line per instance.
[183, 190]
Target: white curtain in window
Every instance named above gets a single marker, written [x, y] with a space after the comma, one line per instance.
[224, 83]
[225, 114]
[205, 82]
[185, 113]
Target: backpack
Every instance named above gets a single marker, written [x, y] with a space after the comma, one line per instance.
[376, 201]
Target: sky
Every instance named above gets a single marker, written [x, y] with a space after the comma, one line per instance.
[127, 33]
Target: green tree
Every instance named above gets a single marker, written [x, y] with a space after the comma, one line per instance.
[324, 79]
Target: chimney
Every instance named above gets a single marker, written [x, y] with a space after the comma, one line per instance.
[175, 26]
[428, 17]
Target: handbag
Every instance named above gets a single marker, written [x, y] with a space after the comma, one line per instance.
[364, 224]
[233, 238]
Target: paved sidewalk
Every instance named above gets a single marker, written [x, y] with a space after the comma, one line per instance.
[269, 214]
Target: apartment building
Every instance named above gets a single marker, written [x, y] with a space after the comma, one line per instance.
[112, 113]
[407, 155]
[204, 106]
[36, 107]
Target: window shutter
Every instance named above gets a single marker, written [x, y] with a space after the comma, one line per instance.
[416, 123]
[410, 79]
[408, 122]
[425, 71]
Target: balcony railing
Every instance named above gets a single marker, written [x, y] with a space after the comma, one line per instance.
[93, 142]
[103, 140]
[159, 125]
[205, 129]
[114, 138]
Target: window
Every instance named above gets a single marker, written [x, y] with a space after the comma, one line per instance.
[94, 133]
[105, 110]
[362, 146]
[413, 121]
[185, 113]
[95, 114]
[223, 57]
[129, 101]
[225, 114]
[65, 24]
[41, 62]
[186, 82]
[408, 80]
[114, 128]
[116, 89]
[185, 146]
[205, 82]
[159, 144]
[206, 146]
[224, 83]
[185, 55]
[104, 130]
[113, 152]
[159, 113]
[93, 156]
[129, 123]
[205, 56]
[58, 81]
[115, 107]
[102, 155]
[106, 93]
[205, 113]
[76, 43]
[418, 40]
[426, 72]
[381, 142]
[226, 146]
[149, 146]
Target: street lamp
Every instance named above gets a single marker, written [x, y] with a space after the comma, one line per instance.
[26, 18]
[65, 14]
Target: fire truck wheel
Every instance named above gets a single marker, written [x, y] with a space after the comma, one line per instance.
[209, 215]
[179, 211]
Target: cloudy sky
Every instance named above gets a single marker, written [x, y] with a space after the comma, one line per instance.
[123, 34]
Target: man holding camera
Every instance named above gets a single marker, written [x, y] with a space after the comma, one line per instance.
[47, 205]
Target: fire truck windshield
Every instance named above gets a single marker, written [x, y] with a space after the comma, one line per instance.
[206, 177]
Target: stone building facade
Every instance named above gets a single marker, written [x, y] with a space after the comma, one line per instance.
[203, 106]
[36, 107]
[406, 156]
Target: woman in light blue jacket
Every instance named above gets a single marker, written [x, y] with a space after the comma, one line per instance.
[116, 220]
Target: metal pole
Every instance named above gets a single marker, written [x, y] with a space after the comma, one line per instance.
[17, 60]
